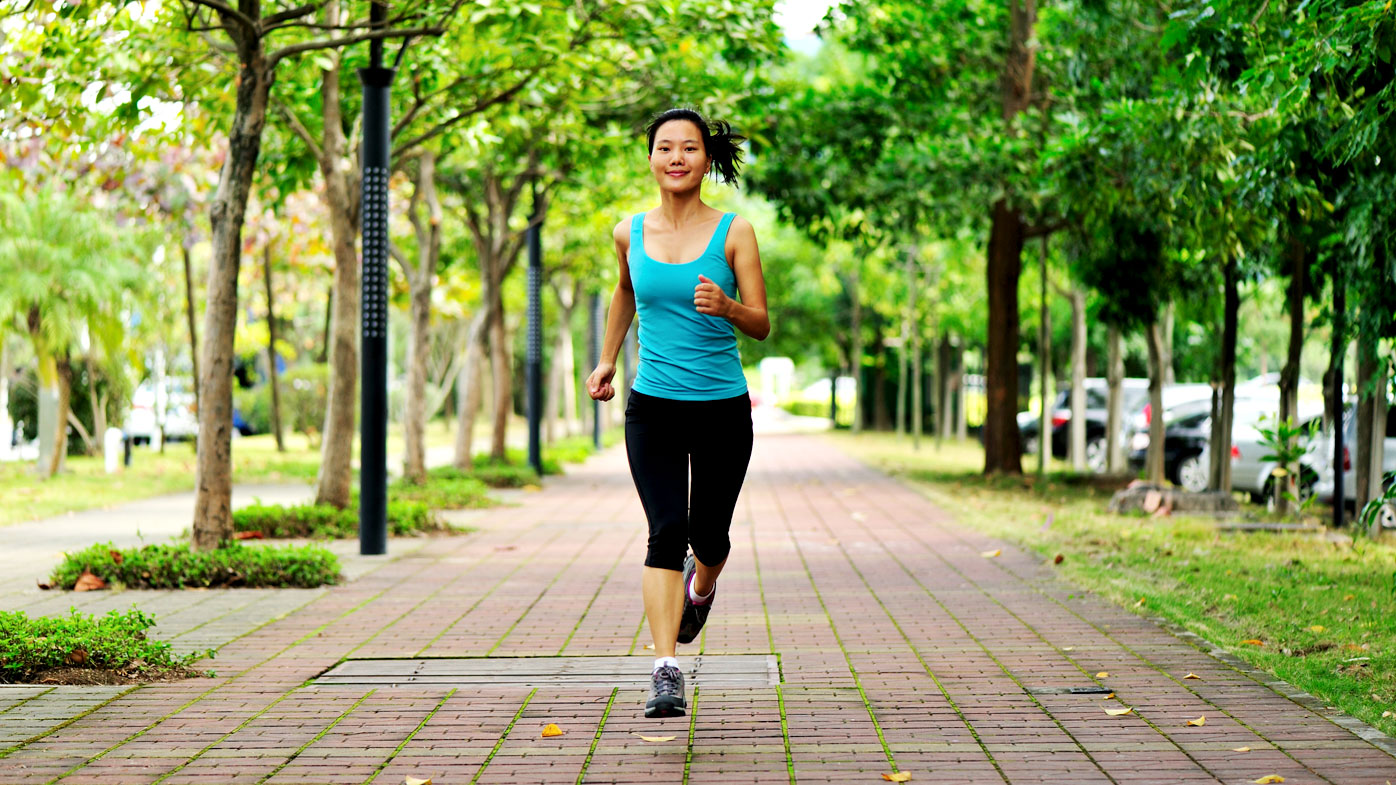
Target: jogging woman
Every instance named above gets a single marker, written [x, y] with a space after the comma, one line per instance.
[682, 265]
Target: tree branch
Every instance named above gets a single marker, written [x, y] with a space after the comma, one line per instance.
[299, 128]
[335, 43]
[479, 106]
[269, 23]
[224, 9]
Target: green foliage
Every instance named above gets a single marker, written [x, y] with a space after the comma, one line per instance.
[116, 641]
[441, 493]
[178, 566]
[491, 473]
[406, 517]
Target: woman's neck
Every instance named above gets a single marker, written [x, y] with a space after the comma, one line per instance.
[681, 209]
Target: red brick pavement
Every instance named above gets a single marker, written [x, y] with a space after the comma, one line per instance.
[900, 646]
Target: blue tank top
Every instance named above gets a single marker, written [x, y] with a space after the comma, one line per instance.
[684, 355]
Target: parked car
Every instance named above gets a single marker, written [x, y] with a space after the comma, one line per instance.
[1185, 439]
[1250, 472]
[1323, 485]
[181, 421]
[1133, 391]
[1174, 395]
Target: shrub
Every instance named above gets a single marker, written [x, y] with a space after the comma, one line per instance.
[323, 521]
[114, 642]
[495, 475]
[453, 492]
[178, 566]
[304, 393]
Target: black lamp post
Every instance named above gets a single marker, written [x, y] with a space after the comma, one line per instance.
[373, 434]
[533, 371]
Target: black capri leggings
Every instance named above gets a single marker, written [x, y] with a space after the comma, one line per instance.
[663, 438]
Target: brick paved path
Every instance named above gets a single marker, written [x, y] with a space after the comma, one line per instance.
[900, 646]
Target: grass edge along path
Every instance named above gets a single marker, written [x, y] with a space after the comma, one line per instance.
[1300, 608]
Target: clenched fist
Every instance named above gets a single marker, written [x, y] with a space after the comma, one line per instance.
[599, 382]
[709, 298]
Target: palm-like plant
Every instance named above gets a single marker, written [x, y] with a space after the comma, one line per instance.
[64, 266]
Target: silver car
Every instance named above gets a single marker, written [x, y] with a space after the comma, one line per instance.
[1323, 486]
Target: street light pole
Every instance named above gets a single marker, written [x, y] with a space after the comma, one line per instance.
[533, 371]
[373, 434]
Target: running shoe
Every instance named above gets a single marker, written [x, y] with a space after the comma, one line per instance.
[666, 693]
[694, 616]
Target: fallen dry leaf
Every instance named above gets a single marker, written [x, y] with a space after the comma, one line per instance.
[1118, 712]
[117, 556]
[1268, 778]
[505, 547]
[533, 487]
[1058, 559]
[45, 585]
[991, 554]
[1199, 722]
[1108, 697]
[649, 647]
[416, 781]
[1192, 676]
[901, 776]
[1139, 604]
[89, 582]
[77, 656]
[1068, 648]
[1316, 628]
[1241, 749]
[643, 737]
[1254, 642]
[252, 535]
[551, 729]
[1103, 675]
[1348, 597]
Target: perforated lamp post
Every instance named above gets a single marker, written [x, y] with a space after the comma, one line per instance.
[534, 368]
[373, 353]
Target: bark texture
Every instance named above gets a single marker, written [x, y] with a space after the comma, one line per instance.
[273, 374]
[1154, 468]
[213, 522]
[1114, 417]
[1078, 380]
[469, 390]
[1224, 399]
[425, 214]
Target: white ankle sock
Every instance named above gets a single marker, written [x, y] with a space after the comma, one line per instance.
[662, 661]
[693, 595]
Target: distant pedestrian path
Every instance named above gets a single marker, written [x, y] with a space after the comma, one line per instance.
[894, 643]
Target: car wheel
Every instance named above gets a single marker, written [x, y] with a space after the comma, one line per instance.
[1096, 457]
[1193, 474]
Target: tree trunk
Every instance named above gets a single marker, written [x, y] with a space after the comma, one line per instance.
[916, 379]
[961, 408]
[1169, 312]
[1296, 255]
[903, 349]
[213, 522]
[1224, 411]
[561, 413]
[99, 415]
[503, 372]
[419, 282]
[324, 354]
[189, 314]
[1114, 417]
[568, 358]
[1044, 359]
[1078, 380]
[469, 389]
[341, 195]
[272, 373]
[1371, 417]
[1002, 451]
[855, 355]
[944, 391]
[1154, 467]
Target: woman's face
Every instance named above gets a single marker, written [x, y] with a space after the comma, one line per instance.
[679, 161]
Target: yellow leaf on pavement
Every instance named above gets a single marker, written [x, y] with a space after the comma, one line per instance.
[1199, 722]
[901, 776]
[416, 781]
[1068, 648]
[1241, 749]
[643, 737]
[1118, 712]
[991, 554]
[1192, 676]
[1108, 697]
[551, 729]
[1269, 778]
[1103, 675]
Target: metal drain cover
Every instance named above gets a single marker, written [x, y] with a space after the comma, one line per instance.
[709, 671]
[1093, 690]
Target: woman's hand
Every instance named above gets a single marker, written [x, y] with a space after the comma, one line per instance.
[709, 298]
[599, 382]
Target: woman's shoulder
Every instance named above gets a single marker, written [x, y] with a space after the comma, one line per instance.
[621, 233]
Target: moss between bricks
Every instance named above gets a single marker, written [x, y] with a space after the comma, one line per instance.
[84, 649]
[178, 566]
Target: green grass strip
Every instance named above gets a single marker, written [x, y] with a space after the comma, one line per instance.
[318, 736]
[692, 723]
[604, 580]
[10, 750]
[524, 614]
[595, 740]
[785, 734]
[503, 737]
[403, 744]
[213, 743]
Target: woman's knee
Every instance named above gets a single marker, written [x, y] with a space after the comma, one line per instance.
[712, 551]
[667, 549]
